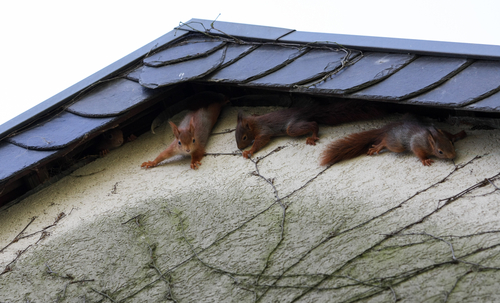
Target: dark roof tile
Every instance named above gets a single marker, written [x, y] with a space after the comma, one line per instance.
[58, 132]
[187, 49]
[14, 159]
[417, 77]
[471, 84]
[370, 69]
[235, 52]
[112, 98]
[260, 62]
[135, 74]
[153, 77]
[489, 104]
[313, 65]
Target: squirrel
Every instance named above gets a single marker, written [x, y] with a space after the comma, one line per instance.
[297, 122]
[191, 136]
[422, 140]
[109, 140]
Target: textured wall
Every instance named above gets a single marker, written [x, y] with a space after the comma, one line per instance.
[275, 228]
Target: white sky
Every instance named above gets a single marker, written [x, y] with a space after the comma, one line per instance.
[48, 46]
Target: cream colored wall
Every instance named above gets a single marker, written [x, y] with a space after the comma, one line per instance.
[279, 228]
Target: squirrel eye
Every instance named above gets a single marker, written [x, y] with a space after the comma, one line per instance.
[244, 138]
[180, 143]
[193, 140]
[440, 151]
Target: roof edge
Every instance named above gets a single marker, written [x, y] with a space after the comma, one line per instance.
[242, 30]
[61, 98]
[420, 47]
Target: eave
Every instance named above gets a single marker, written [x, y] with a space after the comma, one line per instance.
[427, 74]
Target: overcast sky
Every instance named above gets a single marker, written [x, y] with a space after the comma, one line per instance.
[48, 46]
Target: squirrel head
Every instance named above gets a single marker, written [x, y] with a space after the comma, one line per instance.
[244, 133]
[442, 146]
[185, 138]
[113, 138]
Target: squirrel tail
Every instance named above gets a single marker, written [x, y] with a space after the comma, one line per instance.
[345, 111]
[351, 146]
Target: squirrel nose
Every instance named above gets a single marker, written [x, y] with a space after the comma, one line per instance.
[188, 150]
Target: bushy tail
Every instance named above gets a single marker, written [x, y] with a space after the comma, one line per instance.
[351, 146]
[345, 111]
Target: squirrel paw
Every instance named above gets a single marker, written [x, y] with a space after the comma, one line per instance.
[247, 154]
[312, 140]
[372, 151]
[148, 164]
[103, 153]
[195, 164]
[131, 138]
[427, 162]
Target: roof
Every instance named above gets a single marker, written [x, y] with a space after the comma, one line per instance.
[453, 76]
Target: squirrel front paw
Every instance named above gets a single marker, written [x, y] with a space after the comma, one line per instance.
[427, 162]
[312, 140]
[372, 151]
[103, 153]
[148, 164]
[195, 164]
[247, 154]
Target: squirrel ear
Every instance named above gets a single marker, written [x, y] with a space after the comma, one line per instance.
[191, 125]
[447, 135]
[243, 121]
[432, 141]
[174, 128]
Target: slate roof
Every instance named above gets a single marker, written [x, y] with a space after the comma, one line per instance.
[453, 76]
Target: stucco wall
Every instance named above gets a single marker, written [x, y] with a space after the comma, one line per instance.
[279, 228]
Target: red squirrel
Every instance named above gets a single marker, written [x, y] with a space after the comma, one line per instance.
[422, 140]
[191, 136]
[297, 122]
